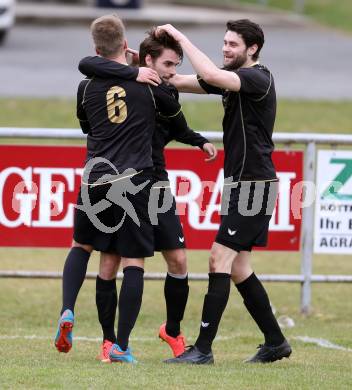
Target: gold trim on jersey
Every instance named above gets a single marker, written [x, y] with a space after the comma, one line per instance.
[171, 116]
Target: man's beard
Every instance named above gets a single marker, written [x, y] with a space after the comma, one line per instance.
[236, 63]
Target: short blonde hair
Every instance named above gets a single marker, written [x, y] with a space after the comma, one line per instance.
[108, 35]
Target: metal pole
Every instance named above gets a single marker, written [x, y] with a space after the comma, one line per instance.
[278, 138]
[307, 231]
[290, 278]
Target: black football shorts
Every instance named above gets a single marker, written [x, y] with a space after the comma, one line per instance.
[246, 210]
[117, 220]
[168, 232]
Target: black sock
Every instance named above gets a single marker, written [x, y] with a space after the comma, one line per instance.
[130, 301]
[257, 303]
[106, 300]
[75, 270]
[176, 295]
[214, 305]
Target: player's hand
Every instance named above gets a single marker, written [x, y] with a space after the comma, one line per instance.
[149, 76]
[132, 57]
[171, 30]
[211, 151]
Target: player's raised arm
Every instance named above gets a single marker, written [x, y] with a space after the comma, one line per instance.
[187, 83]
[207, 70]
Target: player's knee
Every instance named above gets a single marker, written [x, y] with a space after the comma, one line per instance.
[108, 269]
[181, 264]
[87, 248]
[240, 271]
[177, 262]
[235, 276]
[220, 260]
[214, 260]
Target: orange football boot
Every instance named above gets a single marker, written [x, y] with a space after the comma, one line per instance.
[104, 351]
[177, 344]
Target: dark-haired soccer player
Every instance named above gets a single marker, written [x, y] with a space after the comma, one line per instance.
[249, 100]
[161, 53]
[118, 115]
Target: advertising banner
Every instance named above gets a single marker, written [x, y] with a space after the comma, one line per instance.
[39, 186]
[333, 207]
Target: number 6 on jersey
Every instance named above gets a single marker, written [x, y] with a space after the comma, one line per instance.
[120, 104]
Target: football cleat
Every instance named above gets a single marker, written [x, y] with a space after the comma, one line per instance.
[63, 339]
[105, 348]
[192, 356]
[268, 354]
[117, 355]
[177, 344]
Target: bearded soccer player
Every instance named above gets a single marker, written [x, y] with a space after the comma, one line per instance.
[162, 54]
[249, 100]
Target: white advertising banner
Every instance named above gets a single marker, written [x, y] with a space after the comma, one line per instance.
[333, 207]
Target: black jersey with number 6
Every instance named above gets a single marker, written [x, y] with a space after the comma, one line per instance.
[118, 116]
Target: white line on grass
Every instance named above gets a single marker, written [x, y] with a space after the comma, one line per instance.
[305, 339]
[321, 343]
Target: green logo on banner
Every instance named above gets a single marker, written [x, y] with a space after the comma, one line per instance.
[332, 191]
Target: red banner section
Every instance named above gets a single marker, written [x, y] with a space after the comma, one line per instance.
[39, 186]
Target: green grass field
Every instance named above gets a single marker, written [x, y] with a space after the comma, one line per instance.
[29, 312]
[292, 116]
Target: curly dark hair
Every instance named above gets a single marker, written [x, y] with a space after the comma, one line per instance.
[155, 44]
